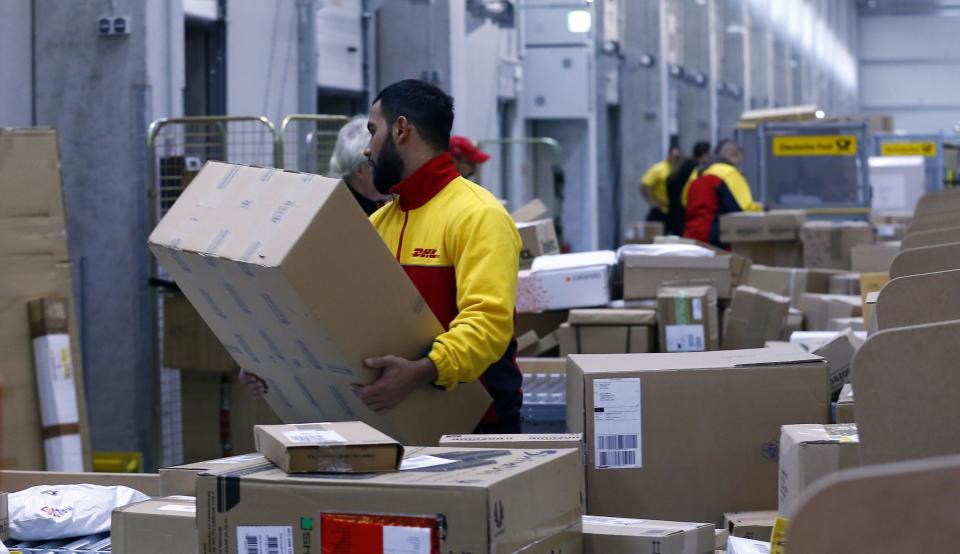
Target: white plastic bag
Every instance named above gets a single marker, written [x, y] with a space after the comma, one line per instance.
[3, 549]
[58, 512]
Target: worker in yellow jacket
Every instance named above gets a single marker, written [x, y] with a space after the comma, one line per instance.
[457, 244]
[653, 185]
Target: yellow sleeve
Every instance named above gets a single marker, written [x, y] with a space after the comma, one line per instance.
[741, 192]
[486, 258]
[686, 187]
[652, 175]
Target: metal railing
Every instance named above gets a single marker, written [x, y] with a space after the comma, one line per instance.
[305, 142]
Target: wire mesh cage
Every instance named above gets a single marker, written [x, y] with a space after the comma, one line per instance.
[177, 149]
[305, 142]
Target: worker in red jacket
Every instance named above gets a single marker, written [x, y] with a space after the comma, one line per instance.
[717, 187]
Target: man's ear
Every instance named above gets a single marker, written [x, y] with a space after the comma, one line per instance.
[402, 129]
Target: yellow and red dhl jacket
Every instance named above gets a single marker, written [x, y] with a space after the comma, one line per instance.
[461, 249]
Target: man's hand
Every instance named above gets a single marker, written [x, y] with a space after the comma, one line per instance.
[398, 379]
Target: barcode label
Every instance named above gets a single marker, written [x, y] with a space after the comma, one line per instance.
[617, 423]
[685, 338]
[264, 540]
[314, 436]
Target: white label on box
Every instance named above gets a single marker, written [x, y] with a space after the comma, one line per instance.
[314, 436]
[697, 304]
[616, 423]
[685, 338]
[264, 540]
[238, 459]
[406, 540]
[420, 462]
[179, 508]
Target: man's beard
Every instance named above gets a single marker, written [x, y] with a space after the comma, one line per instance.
[388, 169]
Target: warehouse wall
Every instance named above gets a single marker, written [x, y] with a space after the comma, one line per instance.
[15, 74]
[913, 75]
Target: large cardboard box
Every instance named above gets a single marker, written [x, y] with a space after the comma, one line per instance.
[604, 331]
[188, 342]
[344, 447]
[566, 281]
[251, 247]
[870, 282]
[873, 258]
[838, 353]
[496, 501]
[769, 238]
[819, 309]
[750, 525]
[182, 479]
[608, 535]
[539, 239]
[642, 232]
[646, 267]
[638, 411]
[827, 245]
[790, 281]
[739, 265]
[531, 211]
[157, 526]
[755, 317]
[809, 452]
[687, 319]
[845, 405]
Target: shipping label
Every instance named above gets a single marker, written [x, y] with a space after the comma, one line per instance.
[617, 423]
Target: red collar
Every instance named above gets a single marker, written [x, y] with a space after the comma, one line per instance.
[417, 189]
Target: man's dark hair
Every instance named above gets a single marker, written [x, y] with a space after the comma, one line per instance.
[701, 148]
[427, 107]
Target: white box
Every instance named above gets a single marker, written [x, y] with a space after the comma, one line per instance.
[897, 182]
[566, 281]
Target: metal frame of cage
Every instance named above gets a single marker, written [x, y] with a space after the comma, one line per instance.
[861, 207]
[539, 164]
[935, 174]
[173, 147]
[305, 149]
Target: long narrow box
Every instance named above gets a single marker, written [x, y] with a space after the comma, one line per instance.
[297, 284]
[345, 447]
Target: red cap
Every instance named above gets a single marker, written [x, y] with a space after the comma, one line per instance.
[461, 147]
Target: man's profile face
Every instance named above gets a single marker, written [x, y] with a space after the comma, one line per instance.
[382, 152]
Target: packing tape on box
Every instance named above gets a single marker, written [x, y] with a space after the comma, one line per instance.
[61, 430]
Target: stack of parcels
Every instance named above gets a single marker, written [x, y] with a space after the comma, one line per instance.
[539, 238]
[810, 452]
[687, 318]
[607, 535]
[791, 282]
[828, 245]
[251, 249]
[43, 422]
[642, 232]
[820, 309]
[638, 411]
[767, 238]
[566, 281]
[754, 317]
[605, 331]
[646, 267]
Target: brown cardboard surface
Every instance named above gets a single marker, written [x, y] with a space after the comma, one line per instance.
[819, 309]
[845, 405]
[182, 479]
[188, 343]
[643, 274]
[775, 225]
[873, 504]
[811, 452]
[870, 282]
[603, 316]
[926, 259]
[531, 211]
[931, 238]
[607, 535]
[545, 346]
[935, 221]
[247, 246]
[776, 254]
[739, 265]
[157, 526]
[670, 403]
[750, 525]
[838, 353]
[688, 319]
[496, 501]
[542, 365]
[874, 258]
[755, 317]
[15, 480]
[539, 239]
[30, 174]
[791, 282]
[568, 541]
[605, 339]
[642, 232]
[827, 244]
[906, 381]
[343, 447]
[33, 236]
[542, 323]
[845, 283]
[918, 299]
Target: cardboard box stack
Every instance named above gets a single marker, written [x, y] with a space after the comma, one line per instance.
[246, 246]
[645, 267]
[828, 245]
[566, 281]
[34, 263]
[539, 239]
[605, 331]
[755, 317]
[791, 282]
[810, 452]
[769, 238]
[687, 318]
[638, 411]
[819, 309]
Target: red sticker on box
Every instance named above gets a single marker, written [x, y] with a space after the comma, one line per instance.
[379, 534]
